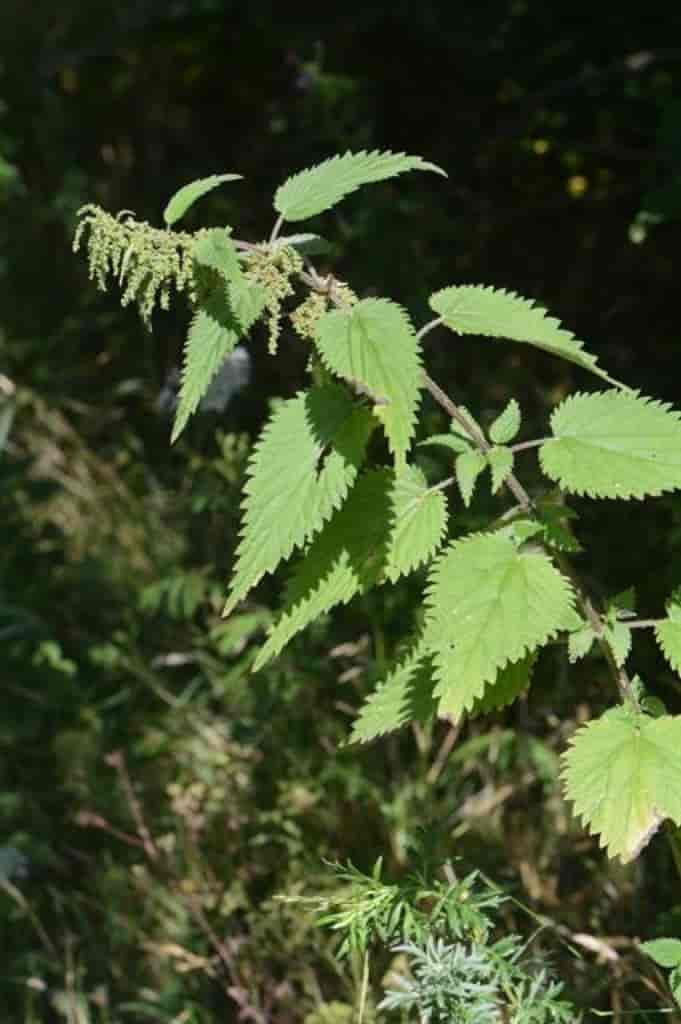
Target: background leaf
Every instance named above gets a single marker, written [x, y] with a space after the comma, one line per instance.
[186, 196]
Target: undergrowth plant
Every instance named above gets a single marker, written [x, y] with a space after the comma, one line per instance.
[336, 494]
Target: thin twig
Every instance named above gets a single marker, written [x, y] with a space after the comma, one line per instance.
[528, 444]
[277, 228]
[117, 760]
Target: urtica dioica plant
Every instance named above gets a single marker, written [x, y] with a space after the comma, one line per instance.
[493, 598]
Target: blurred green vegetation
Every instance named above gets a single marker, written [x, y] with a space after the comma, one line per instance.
[155, 796]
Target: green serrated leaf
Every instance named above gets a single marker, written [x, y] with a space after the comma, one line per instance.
[614, 445]
[460, 431]
[618, 636]
[374, 343]
[488, 603]
[215, 249]
[227, 313]
[317, 189]
[185, 197]
[496, 313]
[623, 774]
[507, 424]
[346, 558]
[451, 441]
[665, 952]
[520, 531]
[668, 636]
[580, 642]
[418, 521]
[405, 696]
[468, 468]
[501, 464]
[300, 472]
[510, 682]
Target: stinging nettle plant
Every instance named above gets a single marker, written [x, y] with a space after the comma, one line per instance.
[493, 598]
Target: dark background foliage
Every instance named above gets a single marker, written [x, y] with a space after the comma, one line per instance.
[560, 128]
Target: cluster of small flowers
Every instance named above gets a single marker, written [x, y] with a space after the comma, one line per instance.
[273, 267]
[306, 316]
[146, 261]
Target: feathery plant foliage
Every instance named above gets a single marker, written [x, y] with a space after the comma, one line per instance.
[451, 967]
[492, 598]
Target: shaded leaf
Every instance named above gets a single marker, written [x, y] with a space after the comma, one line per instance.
[300, 472]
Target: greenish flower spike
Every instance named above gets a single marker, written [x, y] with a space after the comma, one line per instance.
[147, 263]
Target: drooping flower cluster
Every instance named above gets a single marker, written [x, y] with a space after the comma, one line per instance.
[306, 316]
[273, 267]
[147, 262]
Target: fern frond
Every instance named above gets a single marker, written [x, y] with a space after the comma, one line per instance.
[319, 188]
[374, 343]
[496, 313]
[613, 445]
[300, 472]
